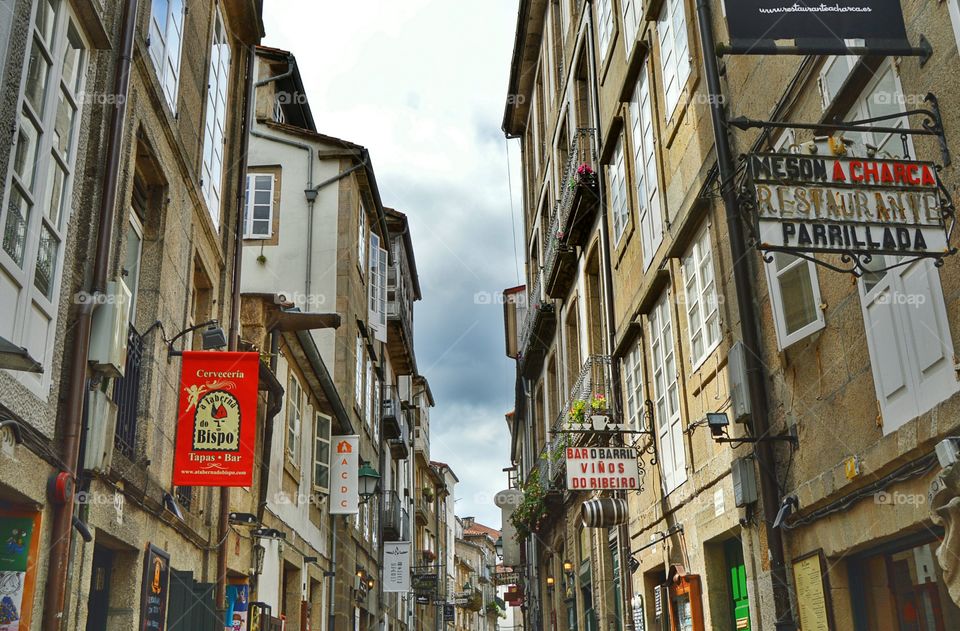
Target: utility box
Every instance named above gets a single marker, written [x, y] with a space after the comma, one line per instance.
[744, 482]
[108, 334]
[739, 387]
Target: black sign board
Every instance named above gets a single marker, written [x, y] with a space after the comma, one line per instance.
[154, 590]
[449, 613]
[821, 26]
[424, 584]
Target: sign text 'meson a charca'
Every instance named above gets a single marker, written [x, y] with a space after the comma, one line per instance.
[812, 203]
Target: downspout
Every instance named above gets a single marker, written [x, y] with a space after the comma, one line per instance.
[233, 339]
[61, 530]
[273, 407]
[749, 329]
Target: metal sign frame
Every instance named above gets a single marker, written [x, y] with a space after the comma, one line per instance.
[855, 262]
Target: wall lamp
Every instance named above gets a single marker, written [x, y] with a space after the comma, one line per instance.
[171, 505]
[268, 533]
[551, 582]
[212, 337]
[718, 423]
[243, 519]
[369, 480]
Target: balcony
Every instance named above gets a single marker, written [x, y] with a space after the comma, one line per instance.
[126, 394]
[392, 414]
[593, 388]
[400, 446]
[400, 313]
[538, 328]
[574, 213]
[394, 516]
[421, 441]
[424, 510]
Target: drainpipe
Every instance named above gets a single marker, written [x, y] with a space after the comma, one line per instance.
[59, 562]
[233, 338]
[749, 331]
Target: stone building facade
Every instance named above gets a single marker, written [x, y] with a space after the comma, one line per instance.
[860, 370]
[160, 193]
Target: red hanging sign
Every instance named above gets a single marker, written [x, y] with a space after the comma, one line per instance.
[216, 427]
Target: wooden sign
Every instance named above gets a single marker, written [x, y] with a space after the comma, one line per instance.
[155, 588]
[216, 428]
[813, 592]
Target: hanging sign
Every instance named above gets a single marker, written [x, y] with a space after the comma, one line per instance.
[601, 468]
[812, 203]
[216, 429]
[344, 492]
[817, 26]
[20, 538]
[396, 573]
[156, 584]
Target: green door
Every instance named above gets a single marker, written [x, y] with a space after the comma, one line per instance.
[740, 602]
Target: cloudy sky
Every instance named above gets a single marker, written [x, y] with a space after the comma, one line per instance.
[421, 84]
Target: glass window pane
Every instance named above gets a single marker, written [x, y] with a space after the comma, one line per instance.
[37, 74]
[73, 60]
[25, 158]
[15, 226]
[261, 197]
[54, 198]
[43, 277]
[799, 308]
[47, 19]
[63, 126]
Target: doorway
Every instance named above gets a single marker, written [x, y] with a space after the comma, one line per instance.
[737, 584]
[98, 601]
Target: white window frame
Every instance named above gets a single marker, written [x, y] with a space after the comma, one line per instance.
[321, 438]
[925, 385]
[131, 277]
[362, 239]
[20, 294]
[358, 385]
[620, 212]
[632, 19]
[377, 289]
[846, 63]
[954, 8]
[368, 394]
[166, 44]
[647, 189]
[675, 65]
[215, 121]
[249, 221]
[295, 405]
[668, 417]
[635, 402]
[786, 338]
[605, 27]
[700, 290]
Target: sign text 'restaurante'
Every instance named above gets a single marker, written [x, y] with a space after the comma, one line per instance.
[835, 204]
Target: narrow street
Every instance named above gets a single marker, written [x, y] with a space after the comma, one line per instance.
[530, 315]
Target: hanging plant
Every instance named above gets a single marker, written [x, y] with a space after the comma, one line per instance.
[578, 412]
[529, 514]
[428, 493]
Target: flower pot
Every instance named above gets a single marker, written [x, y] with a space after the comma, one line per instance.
[599, 422]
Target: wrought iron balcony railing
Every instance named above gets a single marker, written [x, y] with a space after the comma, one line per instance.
[535, 306]
[583, 152]
[592, 391]
[394, 515]
[126, 394]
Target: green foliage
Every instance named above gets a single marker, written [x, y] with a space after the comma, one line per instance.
[532, 509]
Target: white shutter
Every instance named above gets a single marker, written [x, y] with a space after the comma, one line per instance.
[376, 290]
[911, 350]
[666, 390]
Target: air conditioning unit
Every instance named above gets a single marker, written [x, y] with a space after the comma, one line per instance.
[101, 427]
[108, 334]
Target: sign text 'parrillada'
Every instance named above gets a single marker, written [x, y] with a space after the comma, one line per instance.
[811, 203]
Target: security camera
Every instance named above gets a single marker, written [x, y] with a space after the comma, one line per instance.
[786, 508]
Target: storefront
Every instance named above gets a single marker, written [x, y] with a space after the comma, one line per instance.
[19, 542]
[900, 587]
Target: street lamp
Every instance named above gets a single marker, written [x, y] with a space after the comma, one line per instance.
[369, 479]
[499, 547]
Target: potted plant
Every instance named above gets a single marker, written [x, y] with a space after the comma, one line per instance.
[428, 493]
[428, 555]
[531, 510]
[578, 415]
[475, 601]
[598, 411]
[585, 176]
